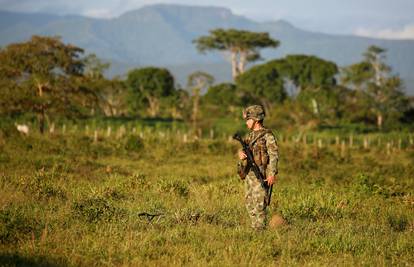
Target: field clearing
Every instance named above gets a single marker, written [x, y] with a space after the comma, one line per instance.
[74, 200]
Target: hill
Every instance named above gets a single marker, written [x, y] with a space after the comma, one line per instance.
[161, 35]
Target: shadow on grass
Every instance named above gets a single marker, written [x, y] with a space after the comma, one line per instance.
[12, 259]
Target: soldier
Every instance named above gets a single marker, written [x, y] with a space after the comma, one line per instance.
[263, 145]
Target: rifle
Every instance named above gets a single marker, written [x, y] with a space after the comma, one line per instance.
[254, 167]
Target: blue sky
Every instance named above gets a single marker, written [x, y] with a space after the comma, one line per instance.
[377, 18]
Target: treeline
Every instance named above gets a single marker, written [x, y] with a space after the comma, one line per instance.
[49, 79]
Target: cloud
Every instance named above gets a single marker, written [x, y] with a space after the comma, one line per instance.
[98, 13]
[405, 33]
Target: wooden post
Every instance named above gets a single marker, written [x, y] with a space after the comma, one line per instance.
[351, 141]
[108, 131]
[64, 129]
[95, 136]
[52, 128]
[211, 133]
[320, 143]
[185, 138]
[343, 149]
[388, 148]
[365, 143]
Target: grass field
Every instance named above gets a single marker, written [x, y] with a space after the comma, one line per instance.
[74, 200]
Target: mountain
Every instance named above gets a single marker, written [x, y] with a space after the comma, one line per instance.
[161, 35]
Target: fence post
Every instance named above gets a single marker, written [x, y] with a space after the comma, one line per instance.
[343, 149]
[320, 143]
[95, 136]
[365, 143]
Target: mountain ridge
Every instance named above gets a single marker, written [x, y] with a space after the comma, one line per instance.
[162, 35]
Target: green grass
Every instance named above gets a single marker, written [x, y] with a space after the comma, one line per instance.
[69, 201]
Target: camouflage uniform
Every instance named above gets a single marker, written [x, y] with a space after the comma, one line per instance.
[265, 151]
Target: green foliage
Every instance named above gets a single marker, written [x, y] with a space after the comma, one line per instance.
[149, 85]
[310, 71]
[398, 222]
[243, 45]
[95, 209]
[178, 187]
[222, 95]
[134, 143]
[337, 210]
[43, 76]
[17, 223]
[262, 83]
[42, 187]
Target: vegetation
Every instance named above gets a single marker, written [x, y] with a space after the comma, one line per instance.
[242, 45]
[119, 178]
[70, 201]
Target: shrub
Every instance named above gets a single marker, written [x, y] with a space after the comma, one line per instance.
[178, 187]
[397, 223]
[41, 186]
[16, 223]
[133, 143]
[96, 209]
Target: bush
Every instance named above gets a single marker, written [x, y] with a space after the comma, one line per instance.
[178, 187]
[41, 186]
[16, 224]
[133, 143]
[397, 223]
[96, 209]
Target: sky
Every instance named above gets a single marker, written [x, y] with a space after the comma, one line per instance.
[393, 19]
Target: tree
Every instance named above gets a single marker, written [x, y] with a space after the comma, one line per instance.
[242, 45]
[149, 85]
[263, 84]
[375, 56]
[309, 71]
[43, 76]
[198, 82]
[223, 95]
[383, 90]
[357, 75]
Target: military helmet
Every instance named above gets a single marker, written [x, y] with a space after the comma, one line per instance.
[255, 112]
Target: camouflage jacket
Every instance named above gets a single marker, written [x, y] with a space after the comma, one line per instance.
[265, 152]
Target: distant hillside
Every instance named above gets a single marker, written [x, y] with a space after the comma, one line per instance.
[161, 35]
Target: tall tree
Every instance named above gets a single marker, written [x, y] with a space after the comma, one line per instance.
[374, 77]
[243, 46]
[43, 76]
[375, 56]
[263, 84]
[357, 75]
[198, 82]
[151, 85]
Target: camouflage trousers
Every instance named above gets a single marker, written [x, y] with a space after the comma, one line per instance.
[256, 202]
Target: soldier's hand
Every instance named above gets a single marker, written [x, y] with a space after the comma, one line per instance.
[242, 155]
[271, 180]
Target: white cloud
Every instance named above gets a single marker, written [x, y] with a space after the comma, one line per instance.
[98, 13]
[405, 33]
